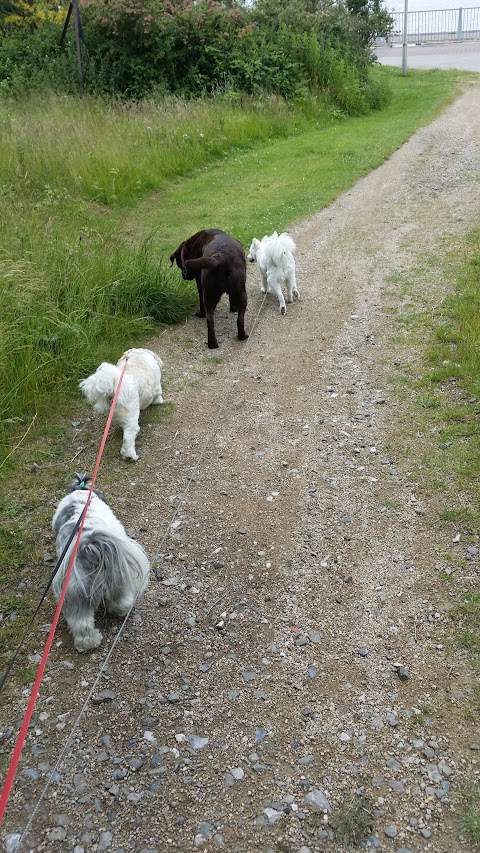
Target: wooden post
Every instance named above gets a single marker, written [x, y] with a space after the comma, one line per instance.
[78, 42]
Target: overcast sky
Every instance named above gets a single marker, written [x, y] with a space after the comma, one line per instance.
[427, 5]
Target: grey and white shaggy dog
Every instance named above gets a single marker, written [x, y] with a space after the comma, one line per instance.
[110, 568]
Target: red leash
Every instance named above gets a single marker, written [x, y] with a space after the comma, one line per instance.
[11, 772]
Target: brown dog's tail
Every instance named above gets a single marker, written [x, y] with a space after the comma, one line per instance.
[204, 263]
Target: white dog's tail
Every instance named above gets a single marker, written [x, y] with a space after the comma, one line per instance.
[143, 353]
[279, 247]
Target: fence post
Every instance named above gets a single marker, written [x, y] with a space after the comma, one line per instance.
[460, 26]
[405, 34]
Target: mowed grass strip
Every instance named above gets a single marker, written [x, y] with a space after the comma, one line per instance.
[251, 193]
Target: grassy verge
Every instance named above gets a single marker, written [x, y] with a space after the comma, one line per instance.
[444, 385]
[74, 289]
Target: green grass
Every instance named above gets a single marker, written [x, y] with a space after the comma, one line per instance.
[466, 616]
[470, 818]
[274, 185]
[353, 820]
[445, 407]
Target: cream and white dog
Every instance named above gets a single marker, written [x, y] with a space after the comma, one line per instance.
[110, 568]
[274, 257]
[141, 387]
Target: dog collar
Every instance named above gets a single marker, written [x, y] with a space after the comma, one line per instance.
[81, 483]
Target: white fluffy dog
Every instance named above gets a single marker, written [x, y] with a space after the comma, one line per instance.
[141, 387]
[109, 568]
[274, 257]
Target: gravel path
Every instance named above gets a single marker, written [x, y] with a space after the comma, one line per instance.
[289, 667]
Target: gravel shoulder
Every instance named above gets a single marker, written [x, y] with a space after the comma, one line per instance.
[296, 567]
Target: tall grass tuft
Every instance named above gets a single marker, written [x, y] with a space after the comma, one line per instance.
[59, 320]
[113, 154]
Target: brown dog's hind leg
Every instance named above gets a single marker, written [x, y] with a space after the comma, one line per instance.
[242, 335]
[200, 312]
[212, 338]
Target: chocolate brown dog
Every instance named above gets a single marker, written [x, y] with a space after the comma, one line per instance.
[217, 262]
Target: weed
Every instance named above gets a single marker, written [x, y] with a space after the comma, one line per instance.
[462, 517]
[470, 818]
[390, 504]
[353, 820]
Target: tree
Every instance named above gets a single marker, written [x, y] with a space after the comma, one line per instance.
[370, 19]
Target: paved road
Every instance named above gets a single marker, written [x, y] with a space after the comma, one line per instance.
[464, 56]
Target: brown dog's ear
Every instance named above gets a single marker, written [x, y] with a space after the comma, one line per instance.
[176, 254]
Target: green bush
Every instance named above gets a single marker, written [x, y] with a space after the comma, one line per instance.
[139, 48]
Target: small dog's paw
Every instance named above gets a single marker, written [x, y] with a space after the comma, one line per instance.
[296, 294]
[87, 642]
[283, 310]
[125, 454]
[263, 289]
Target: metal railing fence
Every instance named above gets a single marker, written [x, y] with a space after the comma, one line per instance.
[436, 25]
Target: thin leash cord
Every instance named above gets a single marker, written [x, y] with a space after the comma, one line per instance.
[81, 714]
[12, 768]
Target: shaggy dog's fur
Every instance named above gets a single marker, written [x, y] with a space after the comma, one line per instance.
[217, 263]
[110, 569]
[141, 386]
[274, 257]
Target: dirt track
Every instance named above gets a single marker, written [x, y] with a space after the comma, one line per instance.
[300, 567]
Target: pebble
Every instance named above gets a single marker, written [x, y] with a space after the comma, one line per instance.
[249, 675]
[103, 696]
[402, 673]
[390, 831]
[272, 815]
[58, 833]
[104, 841]
[197, 742]
[238, 773]
[306, 759]
[30, 773]
[11, 842]
[260, 735]
[363, 651]
[318, 800]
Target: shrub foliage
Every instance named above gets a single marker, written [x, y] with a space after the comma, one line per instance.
[142, 48]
